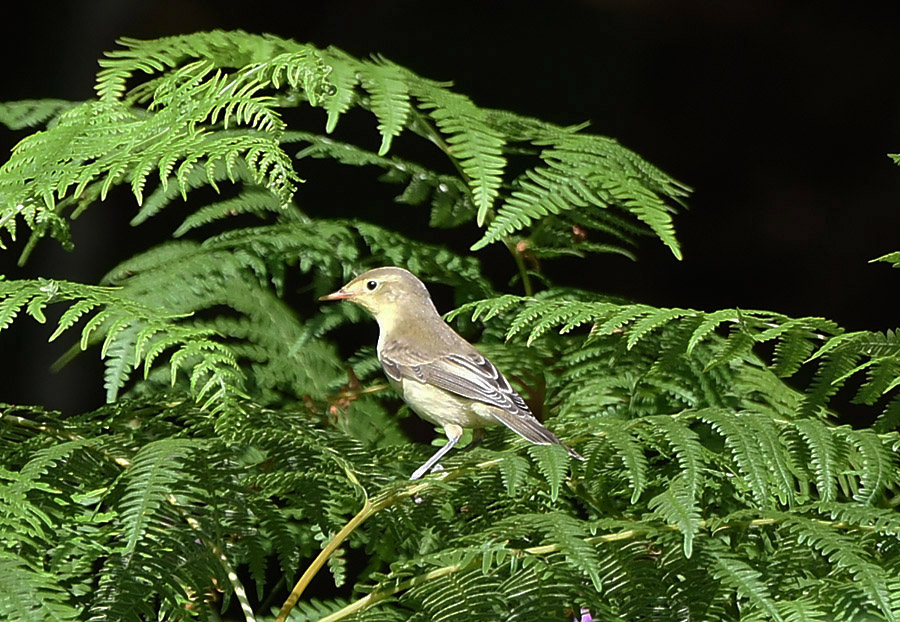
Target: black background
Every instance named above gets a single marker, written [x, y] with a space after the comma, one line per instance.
[779, 115]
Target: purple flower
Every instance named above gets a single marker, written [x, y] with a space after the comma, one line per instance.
[585, 616]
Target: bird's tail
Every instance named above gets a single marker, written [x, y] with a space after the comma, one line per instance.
[532, 430]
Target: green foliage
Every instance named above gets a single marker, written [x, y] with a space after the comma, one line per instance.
[214, 102]
[238, 439]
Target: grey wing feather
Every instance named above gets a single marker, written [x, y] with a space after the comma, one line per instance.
[473, 376]
[469, 375]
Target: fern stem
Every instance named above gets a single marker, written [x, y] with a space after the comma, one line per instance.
[420, 125]
[374, 597]
[236, 585]
[37, 427]
[546, 549]
[61, 434]
[369, 509]
[523, 269]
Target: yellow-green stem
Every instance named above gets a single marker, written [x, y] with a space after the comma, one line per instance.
[625, 534]
[523, 269]
[322, 557]
[370, 508]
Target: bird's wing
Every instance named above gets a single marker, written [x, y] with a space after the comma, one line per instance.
[469, 375]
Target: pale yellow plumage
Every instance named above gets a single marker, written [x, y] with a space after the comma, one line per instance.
[443, 378]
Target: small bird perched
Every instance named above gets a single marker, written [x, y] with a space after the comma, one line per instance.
[438, 373]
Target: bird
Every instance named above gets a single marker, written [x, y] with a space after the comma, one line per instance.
[439, 374]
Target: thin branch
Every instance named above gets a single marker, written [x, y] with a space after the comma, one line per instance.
[547, 549]
[522, 268]
[369, 509]
[236, 585]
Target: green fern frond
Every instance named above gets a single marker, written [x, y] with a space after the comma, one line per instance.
[146, 485]
[553, 463]
[589, 173]
[118, 352]
[876, 466]
[31, 594]
[123, 320]
[467, 596]
[513, 470]
[790, 353]
[677, 506]
[32, 112]
[801, 610]
[32, 178]
[539, 192]
[472, 142]
[569, 535]
[889, 418]
[220, 48]
[21, 520]
[891, 258]
[389, 95]
[752, 457]
[823, 454]
[746, 581]
[170, 189]
[632, 455]
[868, 577]
[255, 201]
[685, 444]
[344, 75]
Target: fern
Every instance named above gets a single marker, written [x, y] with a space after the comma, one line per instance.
[389, 101]
[136, 333]
[676, 506]
[868, 578]
[552, 461]
[746, 583]
[30, 594]
[589, 172]
[31, 113]
[472, 142]
[247, 430]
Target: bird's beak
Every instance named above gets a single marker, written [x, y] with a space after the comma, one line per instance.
[340, 294]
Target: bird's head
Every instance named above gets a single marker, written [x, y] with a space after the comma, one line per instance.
[385, 293]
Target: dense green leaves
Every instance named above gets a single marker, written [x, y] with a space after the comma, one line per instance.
[240, 436]
[211, 104]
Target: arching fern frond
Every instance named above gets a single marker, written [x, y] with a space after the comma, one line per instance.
[222, 49]
[27, 593]
[589, 173]
[636, 322]
[132, 333]
[239, 437]
[472, 142]
[184, 109]
[32, 112]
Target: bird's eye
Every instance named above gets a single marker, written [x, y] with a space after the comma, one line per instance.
[371, 285]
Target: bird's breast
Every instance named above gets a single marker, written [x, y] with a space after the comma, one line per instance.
[441, 407]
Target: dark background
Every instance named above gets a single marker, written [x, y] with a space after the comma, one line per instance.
[779, 115]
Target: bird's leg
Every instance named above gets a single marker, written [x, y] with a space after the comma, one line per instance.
[477, 437]
[453, 432]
